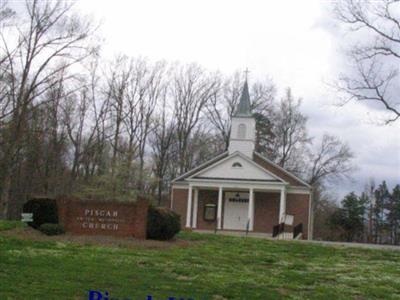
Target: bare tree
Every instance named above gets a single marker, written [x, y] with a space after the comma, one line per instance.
[57, 142]
[84, 116]
[375, 55]
[191, 90]
[118, 82]
[95, 153]
[134, 89]
[161, 140]
[76, 115]
[146, 88]
[6, 14]
[331, 160]
[48, 42]
[156, 90]
[291, 138]
[203, 145]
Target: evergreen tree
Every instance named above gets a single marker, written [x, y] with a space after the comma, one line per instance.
[264, 136]
[393, 214]
[350, 217]
[381, 199]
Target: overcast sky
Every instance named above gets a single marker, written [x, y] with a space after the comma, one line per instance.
[295, 42]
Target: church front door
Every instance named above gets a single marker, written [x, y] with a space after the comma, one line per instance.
[236, 210]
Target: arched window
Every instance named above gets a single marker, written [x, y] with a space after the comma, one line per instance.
[236, 165]
[242, 131]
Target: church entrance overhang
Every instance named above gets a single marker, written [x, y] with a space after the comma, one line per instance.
[228, 186]
[237, 184]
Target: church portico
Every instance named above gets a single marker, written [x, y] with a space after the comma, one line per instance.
[232, 206]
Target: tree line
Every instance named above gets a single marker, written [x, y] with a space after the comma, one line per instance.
[373, 216]
[74, 122]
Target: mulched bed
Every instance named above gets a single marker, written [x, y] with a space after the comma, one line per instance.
[28, 233]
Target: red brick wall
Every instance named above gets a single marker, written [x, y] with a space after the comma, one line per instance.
[206, 197]
[266, 211]
[141, 219]
[179, 204]
[298, 206]
[103, 217]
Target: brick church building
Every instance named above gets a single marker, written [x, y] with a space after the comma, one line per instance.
[241, 190]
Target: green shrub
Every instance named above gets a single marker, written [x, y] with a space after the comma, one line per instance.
[51, 229]
[162, 224]
[43, 210]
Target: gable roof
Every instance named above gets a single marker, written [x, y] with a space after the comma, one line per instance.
[278, 173]
[273, 167]
[200, 167]
[248, 170]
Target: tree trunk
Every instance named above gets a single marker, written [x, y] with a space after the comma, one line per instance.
[5, 197]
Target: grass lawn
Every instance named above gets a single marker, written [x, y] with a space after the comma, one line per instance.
[6, 225]
[211, 267]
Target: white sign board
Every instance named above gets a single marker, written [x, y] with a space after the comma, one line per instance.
[27, 217]
[289, 220]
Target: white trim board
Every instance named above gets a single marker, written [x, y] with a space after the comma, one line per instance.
[237, 184]
[180, 187]
[259, 171]
[298, 190]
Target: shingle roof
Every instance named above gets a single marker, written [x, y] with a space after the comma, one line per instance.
[243, 109]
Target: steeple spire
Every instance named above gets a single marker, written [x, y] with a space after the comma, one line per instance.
[243, 109]
[243, 130]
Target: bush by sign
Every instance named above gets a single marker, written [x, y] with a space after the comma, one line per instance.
[44, 210]
[162, 224]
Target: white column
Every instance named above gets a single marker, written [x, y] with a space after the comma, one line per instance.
[251, 209]
[189, 207]
[195, 207]
[282, 205]
[219, 211]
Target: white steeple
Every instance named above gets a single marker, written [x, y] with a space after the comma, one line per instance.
[243, 130]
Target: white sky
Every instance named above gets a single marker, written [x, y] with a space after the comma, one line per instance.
[294, 42]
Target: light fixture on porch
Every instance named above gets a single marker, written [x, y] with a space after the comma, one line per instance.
[237, 197]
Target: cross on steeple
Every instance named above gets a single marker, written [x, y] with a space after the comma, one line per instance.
[246, 73]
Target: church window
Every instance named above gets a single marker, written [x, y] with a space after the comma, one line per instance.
[242, 131]
[236, 165]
